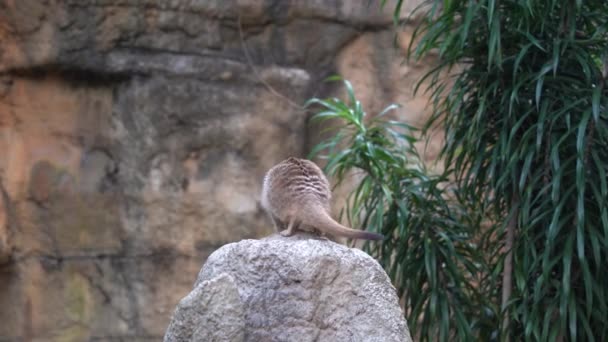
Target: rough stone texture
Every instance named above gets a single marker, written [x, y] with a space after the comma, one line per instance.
[134, 135]
[289, 289]
[213, 311]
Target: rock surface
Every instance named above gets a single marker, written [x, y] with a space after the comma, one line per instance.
[213, 311]
[134, 136]
[289, 289]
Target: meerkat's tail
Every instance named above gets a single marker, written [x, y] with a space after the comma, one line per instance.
[319, 218]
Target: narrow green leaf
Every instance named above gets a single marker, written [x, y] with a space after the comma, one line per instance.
[525, 170]
[520, 55]
[388, 109]
[566, 278]
[582, 133]
[572, 315]
[539, 89]
[491, 6]
[556, 53]
[595, 102]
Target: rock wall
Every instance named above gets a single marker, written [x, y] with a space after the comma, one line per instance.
[134, 135]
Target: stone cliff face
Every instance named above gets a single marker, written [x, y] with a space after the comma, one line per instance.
[134, 136]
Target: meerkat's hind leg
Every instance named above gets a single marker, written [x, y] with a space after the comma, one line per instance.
[277, 223]
[290, 228]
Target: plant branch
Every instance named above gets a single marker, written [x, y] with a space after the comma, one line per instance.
[257, 74]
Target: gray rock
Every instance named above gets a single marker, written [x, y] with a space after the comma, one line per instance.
[213, 311]
[291, 289]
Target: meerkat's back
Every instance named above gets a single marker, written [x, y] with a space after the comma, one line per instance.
[296, 192]
[292, 183]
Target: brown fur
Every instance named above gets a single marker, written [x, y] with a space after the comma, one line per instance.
[297, 195]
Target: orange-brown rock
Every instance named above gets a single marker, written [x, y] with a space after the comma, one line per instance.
[134, 135]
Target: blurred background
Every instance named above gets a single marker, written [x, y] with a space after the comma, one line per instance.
[134, 136]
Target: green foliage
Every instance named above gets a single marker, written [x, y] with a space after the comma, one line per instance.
[429, 255]
[526, 128]
[524, 113]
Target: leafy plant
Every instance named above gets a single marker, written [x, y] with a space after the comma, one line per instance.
[526, 132]
[430, 254]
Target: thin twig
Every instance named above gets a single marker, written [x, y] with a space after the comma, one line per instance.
[255, 71]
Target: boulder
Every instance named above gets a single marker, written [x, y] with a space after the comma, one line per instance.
[298, 288]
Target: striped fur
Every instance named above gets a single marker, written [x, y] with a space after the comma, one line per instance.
[296, 195]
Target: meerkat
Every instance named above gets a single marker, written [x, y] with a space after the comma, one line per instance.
[296, 195]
